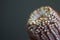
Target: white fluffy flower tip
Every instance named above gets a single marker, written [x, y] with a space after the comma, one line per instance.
[43, 13]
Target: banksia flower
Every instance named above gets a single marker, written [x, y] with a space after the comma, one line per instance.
[44, 24]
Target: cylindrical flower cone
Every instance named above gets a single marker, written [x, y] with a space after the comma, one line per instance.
[44, 24]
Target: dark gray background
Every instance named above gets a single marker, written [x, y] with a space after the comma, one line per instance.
[14, 14]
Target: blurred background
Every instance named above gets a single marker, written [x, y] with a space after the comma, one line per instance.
[14, 15]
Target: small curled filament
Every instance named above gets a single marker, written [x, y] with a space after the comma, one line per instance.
[44, 24]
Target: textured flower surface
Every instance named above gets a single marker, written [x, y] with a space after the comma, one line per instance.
[44, 24]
